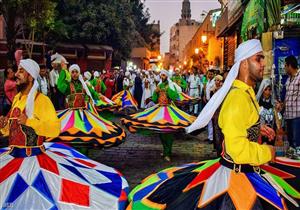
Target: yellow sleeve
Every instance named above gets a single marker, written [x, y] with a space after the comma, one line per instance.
[236, 116]
[45, 121]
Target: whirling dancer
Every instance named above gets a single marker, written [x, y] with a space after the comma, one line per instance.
[164, 118]
[37, 175]
[124, 100]
[79, 124]
[237, 180]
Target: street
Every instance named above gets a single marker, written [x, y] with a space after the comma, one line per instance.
[140, 156]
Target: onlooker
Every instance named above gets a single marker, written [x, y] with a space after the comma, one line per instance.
[194, 86]
[10, 89]
[58, 99]
[292, 104]
[209, 85]
[43, 80]
[217, 133]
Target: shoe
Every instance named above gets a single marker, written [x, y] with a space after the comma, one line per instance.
[167, 158]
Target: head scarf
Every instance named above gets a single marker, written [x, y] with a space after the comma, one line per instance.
[33, 69]
[58, 58]
[165, 72]
[96, 74]
[244, 51]
[263, 85]
[172, 85]
[87, 75]
[76, 67]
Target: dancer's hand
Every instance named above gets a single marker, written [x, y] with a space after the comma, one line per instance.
[267, 132]
[22, 119]
[3, 121]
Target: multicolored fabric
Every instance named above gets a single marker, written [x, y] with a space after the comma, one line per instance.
[184, 99]
[85, 126]
[58, 178]
[104, 103]
[210, 185]
[159, 118]
[124, 100]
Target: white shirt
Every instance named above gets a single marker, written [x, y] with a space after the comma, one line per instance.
[43, 85]
[53, 77]
[194, 82]
[209, 85]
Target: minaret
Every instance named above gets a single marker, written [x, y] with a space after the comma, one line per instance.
[186, 10]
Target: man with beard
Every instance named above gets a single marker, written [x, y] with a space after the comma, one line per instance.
[239, 115]
[31, 109]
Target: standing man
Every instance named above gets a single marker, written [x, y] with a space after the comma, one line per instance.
[43, 80]
[209, 86]
[110, 84]
[138, 89]
[292, 105]
[57, 98]
[194, 89]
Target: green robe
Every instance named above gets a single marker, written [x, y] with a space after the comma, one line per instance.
[173, 95]
[63, 85]
[94, 84]
[179, 81]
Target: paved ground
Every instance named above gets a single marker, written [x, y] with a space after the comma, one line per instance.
[139, 156]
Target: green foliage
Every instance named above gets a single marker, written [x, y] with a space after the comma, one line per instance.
[122, 24]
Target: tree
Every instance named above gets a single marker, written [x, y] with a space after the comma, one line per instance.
[121, 24]
[9, 9]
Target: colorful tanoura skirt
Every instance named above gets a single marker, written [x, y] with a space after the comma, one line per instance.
[165, 119]
[104, 103]
[184, 99]
[58, 177]
[125, 102]
[211, 185]
[84, 126]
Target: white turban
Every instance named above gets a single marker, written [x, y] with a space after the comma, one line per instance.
[58, 58]
[263, 85]
[87, 75]
[33, 69]
[165, 72]
[244, 51]
[74, 67]
[96, 74]
[127, 74]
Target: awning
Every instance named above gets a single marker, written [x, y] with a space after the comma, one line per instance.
[98, 47]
